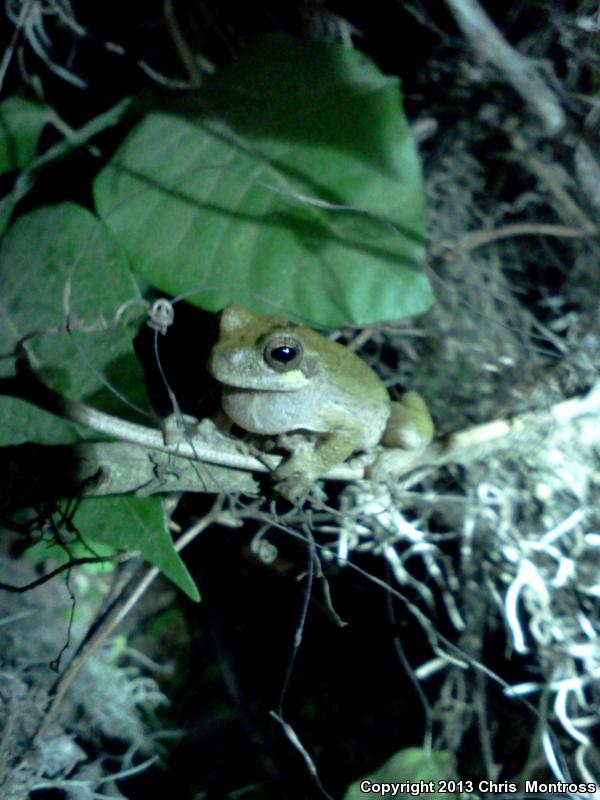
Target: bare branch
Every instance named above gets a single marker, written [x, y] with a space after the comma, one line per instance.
[521, 72]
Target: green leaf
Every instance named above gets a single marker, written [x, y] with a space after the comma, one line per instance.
[18, 142]
[292, 183]
[29, 423]
[21, 122]
[411, 765]
[135, 523]
[119, 524]
[57, 263]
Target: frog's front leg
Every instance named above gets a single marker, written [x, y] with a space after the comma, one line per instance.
[314, 454]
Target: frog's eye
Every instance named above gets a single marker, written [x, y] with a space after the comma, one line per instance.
[283, 353]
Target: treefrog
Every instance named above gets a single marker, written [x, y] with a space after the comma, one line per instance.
[322, 399]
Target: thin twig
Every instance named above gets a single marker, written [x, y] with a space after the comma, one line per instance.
[474, 240]
[10, 49]
[183, 49]
[547, 174]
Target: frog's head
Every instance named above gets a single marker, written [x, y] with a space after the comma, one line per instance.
[262, 353]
